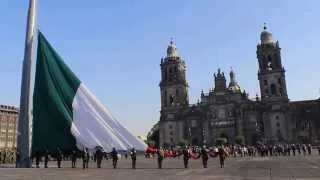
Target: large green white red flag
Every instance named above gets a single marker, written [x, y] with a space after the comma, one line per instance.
[66, 115]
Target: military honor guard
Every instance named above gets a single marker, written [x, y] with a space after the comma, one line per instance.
[185, 153]
[73, 159]
[205, 157]
[114, 156]
[160, 154]
[133, 155]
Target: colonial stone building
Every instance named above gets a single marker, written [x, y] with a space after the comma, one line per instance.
[227, 111]
[8, 127]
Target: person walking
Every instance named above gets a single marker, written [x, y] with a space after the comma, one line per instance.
[222, 155]
[17, 158]
[46, 158]
[160, 154]
[99, 156]
[205, 157]
[85, 158]
[133, 155]
[114, 156]
[59, 157]
[73, 159]
[186, 157]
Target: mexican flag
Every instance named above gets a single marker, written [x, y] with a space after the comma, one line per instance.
[66, 115]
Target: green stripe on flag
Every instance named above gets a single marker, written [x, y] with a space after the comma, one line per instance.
[54, 91]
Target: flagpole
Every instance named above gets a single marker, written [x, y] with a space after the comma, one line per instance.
[25, 115]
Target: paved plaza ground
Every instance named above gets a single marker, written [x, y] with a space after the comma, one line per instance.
[249, 168]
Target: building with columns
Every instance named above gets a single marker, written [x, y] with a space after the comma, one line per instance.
[227, 111]
[8, 127]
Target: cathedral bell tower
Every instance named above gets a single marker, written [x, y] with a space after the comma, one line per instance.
[271, 73]
[173, 85]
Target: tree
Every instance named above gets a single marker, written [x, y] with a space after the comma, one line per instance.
[221, 141]
[153, 135]
[240, 140]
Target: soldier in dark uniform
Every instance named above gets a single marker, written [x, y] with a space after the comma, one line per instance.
[59, 157]
[73, 159]
[298, 148]
[319, 150]
[85, 158]
[38, 158]
[46, 158]
[309, 149]
[133, 155]
[222, 155]
[205, 157]
[17, 157]
[126, 155]
[185, 157]
[114, 155]
[160, 156]
[99, 156]
[293, 147]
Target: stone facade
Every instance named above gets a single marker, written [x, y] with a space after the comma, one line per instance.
[226, 110]
[8, 127]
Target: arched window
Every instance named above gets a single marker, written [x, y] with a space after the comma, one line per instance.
[177, 93]
[273, 89]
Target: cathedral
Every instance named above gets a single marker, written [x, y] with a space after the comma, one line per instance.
[227, 111]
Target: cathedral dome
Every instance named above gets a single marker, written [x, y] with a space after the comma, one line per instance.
[172, 50]
[266, 36]
[233, 85]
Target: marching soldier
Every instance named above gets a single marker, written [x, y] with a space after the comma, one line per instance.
[99, 156]
[18, 157]
[114, 155]
[185, 153]
[38, 158]
[133, 155]
[59, 157]
[85, 158]
[160, 154]
[205, 157]
[46, 158]
[319, 150]
[222, 155]
[73, 159]
[309, 148]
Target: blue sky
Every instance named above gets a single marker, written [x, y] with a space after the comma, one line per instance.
[115, 47]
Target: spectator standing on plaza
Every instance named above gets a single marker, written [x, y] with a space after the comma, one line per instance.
[160, 154]
[73, 159]
[185, 153]
[114, 156]
[133, 155]
[204, 155]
